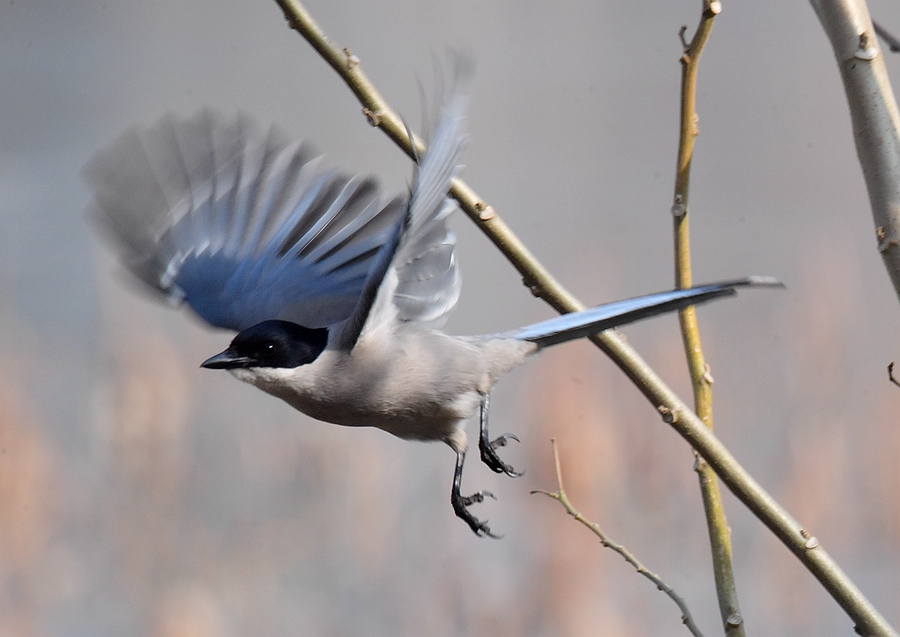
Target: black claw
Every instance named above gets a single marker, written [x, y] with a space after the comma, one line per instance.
[475, 498]
[491, 459]
[488, 447]
[479, 527]
[461, 503]
[502, 440]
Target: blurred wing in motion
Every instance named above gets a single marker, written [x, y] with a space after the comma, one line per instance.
[243, 227]
[428, 280]
[416, 279]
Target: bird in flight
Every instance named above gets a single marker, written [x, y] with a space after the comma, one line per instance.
[335, 294]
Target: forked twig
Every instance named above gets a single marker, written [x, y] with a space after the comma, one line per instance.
[627, 555]
[891, 374]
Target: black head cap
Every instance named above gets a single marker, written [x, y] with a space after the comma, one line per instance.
[271, 344]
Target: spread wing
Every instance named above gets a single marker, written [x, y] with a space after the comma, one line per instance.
[415, 278]
[242, 226]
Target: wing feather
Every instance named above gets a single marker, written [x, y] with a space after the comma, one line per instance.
[415, 278]
[242, 226]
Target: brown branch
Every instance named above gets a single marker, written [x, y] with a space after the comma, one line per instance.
[892, 42]
[560, 496]
[673, 410]
[891, 374]
[701, 378]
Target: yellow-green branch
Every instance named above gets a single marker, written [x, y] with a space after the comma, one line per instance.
[701, 379]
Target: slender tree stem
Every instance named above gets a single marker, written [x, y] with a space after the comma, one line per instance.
[673, 410]
[874, 115]
[701, 378]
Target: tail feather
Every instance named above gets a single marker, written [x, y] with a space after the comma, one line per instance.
[603, 317]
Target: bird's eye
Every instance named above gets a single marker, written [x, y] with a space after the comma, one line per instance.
[269, 348]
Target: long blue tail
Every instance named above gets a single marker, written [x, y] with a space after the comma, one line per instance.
[603, 317]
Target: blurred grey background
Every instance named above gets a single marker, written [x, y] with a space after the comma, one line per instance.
[141, 495]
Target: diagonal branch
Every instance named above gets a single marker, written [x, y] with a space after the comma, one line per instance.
[701, 379]
[560, 495]
[673, 410]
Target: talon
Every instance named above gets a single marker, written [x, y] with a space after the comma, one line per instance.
[461, 503]
[502, 440]
[491, 459]
[488, 447]
[479, 527]
[475, 498]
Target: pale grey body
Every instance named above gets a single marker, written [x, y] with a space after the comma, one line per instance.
[413, 383]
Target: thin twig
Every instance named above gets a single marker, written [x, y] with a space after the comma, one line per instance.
[627, 555]
[891, 374]
[701, 379]
[672, 409]
[892, 42]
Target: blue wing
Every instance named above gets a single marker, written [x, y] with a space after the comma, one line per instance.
[242, 226]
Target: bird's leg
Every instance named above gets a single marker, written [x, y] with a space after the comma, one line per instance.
[488, 447]
[461, 503]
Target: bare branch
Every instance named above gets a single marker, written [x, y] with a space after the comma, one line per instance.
[873, 111]
[701, 378]
[892, 42]
[560, 496]
[891, 374]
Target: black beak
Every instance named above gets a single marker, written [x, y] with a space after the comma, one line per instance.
[227, 360]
